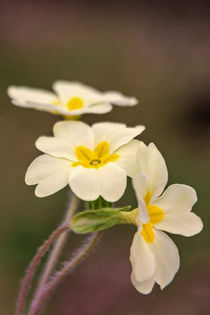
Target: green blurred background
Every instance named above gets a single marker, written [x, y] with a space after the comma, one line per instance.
[158, 52]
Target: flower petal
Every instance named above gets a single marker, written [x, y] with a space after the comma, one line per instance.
[115, 134]
[144, 287]
[84, 183]
[166, 257]
[22, 94]
[56, 147]
[177, 202]
[187, 224]
[119, 99]
[127, 157]
[113, 182]
[56, 109]
[142, 259]
[88, 184]
[67, 90]
[140, 185]
[177, 198]
[50, 173]
[153, 165]
[53, 109]
[76, 133]
[143, 214]
[93, 108]
[98, 108]
[167, 264]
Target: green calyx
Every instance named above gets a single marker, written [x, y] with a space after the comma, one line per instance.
[98, 204]
[101, 219]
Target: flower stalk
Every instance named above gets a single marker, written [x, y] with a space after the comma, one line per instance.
[25, 286]
[56, 251]
[44, 294]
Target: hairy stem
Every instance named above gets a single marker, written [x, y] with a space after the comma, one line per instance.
[56, 251]
[25, 286]
[44, 294]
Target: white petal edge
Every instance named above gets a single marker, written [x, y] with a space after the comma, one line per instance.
[113, 182]
[127, 157]
[98, 108]
[84, 183]
[68, 89]
[139, 183]
[50, 173]
[176, 203]
[144, 287]
[177, 198]
[143, 214]
[115, 134]
[142, 258]
[186, 224]
[23, 94]
[152, 164]
[63, 110]
[76, 133]
[38, 106]
[166, 257]
[56, 147]
[117, 98]
[108, 181]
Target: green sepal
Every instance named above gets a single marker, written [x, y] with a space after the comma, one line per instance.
[98, 220]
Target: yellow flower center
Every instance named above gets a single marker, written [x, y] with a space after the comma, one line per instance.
[72, 104]
[156, 215]
[75, 103]
[96, 158]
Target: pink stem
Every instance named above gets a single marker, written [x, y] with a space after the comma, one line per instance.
[44, 294]
[32, 268]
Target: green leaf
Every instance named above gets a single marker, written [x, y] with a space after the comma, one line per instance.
[98, 220]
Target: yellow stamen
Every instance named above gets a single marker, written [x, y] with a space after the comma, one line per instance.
[96, 158]
[156, 215]
[147, 197]
[148, 233]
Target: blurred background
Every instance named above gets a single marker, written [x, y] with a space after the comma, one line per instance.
[156, 51]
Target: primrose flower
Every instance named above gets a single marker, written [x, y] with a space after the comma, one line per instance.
[154, 256]
[69, 99]
[95, 161]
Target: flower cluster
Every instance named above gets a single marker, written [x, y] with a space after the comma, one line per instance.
[95, 162]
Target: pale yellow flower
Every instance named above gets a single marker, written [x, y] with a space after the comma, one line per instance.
[95, 161]
[154, 256]
[69, 99]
